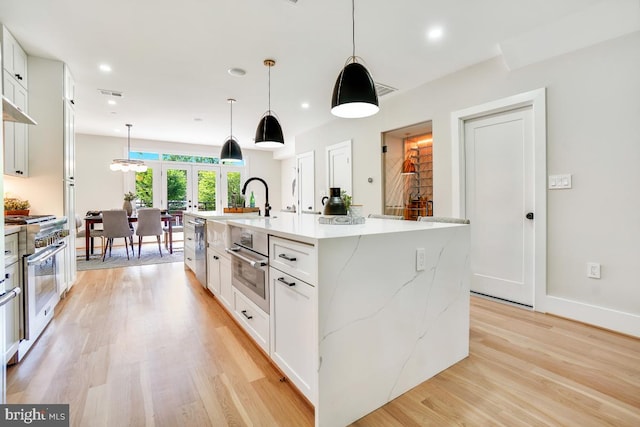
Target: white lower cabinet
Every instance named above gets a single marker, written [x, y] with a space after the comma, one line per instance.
[219, 277]
[12, 312]
[213, 272]
[252, 318]
[293, 339]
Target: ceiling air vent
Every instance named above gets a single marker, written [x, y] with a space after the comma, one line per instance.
[108, 92]
[383, 90]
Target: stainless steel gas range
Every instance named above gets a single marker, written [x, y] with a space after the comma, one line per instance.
[43, 274]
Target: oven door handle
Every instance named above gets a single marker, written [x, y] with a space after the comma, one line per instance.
[47, 253]
[254, 263]
[9, 295]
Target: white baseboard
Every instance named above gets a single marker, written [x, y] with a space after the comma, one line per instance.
[625, 323]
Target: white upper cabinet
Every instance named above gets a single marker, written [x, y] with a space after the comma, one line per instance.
[14, 58]
[16, 145]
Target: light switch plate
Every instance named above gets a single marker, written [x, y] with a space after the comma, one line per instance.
[421, 260]
[593, 270]
[559, 182]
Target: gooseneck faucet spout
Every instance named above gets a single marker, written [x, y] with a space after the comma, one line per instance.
[267, 208]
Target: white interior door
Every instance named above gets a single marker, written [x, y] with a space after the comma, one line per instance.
[305, 175]
[499, 159]
[339, 166]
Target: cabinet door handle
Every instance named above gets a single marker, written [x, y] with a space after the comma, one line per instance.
[216, 257]
[18, 76]
[281, 279]
[244, 312]
[288, 258]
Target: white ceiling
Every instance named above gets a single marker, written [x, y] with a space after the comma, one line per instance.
[170, 58]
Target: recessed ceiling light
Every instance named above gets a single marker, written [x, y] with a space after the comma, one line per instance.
[305, 105]
[111, 102]
[237, 72]
[105, 68]
[116, 130]
[435, 33]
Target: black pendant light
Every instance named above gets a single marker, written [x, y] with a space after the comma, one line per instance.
[354, 94]
[269, 131]
[231, 152]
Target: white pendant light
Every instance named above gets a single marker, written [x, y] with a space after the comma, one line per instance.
[126, 165]
[269, 132]
[354, 94]
[231, 152]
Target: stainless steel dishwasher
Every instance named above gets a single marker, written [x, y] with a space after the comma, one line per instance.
[195, 247]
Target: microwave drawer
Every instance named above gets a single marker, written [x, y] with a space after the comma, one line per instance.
[295, 258]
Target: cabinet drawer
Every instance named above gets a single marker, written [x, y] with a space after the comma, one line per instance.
[190, 257]
[295, 258]
[254, 320]
[10, 248]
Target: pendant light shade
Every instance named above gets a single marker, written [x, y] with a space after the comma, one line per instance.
[354, 94]
[126, 165]
[231, 152]
[269, 132]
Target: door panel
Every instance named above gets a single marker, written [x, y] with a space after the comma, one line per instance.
[306, 182]
[499, 183]
[339, 166]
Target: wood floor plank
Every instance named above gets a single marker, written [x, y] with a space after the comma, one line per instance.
[149, 346]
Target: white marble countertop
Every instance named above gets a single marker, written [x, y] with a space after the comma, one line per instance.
[213, 215]
[307, 228]
[10, 229]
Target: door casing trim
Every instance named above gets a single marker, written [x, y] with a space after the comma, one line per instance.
[536, 99]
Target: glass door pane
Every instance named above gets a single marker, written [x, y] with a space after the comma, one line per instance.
[176, 188]
[207, 188]
[233, 188]
[144, 189]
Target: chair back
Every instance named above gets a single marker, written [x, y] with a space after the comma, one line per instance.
[116, 223]
[443, 219]
[149, 223]
[386, 216]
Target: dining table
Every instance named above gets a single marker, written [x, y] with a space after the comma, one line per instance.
[91, 220]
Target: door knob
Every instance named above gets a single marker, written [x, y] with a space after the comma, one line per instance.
[530, 215]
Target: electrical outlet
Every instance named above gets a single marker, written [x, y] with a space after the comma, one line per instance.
[593, 270]
[421, 259]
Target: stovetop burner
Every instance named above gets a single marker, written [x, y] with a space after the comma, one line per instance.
[27, 219]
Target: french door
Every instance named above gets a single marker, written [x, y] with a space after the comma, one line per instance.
[190, 187]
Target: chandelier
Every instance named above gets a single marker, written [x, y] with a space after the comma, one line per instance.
[126, 165]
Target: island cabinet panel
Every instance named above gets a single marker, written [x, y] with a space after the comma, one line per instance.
[213, 272]
[293, 339]
[295, 258]
[219, 277]
[253, 319]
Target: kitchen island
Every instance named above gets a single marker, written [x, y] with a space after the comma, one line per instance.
[362, 313]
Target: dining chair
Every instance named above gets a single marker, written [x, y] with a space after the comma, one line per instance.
[443, 219]
[116, 224]
[386, 216]
[176, 227]
[82, 233]
[149, 224]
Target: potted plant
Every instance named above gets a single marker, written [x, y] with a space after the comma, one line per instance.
[127, 206]
[15, 206]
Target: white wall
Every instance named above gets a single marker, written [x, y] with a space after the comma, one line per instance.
[593, 104]
[97, 187]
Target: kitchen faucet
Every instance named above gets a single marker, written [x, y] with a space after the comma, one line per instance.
[267, 208]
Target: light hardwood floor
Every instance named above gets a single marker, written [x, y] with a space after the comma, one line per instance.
[149, 346]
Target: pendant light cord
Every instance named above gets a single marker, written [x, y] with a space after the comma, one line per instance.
[353, 28]
[231, 123]
[269, 88]
[128, 141]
